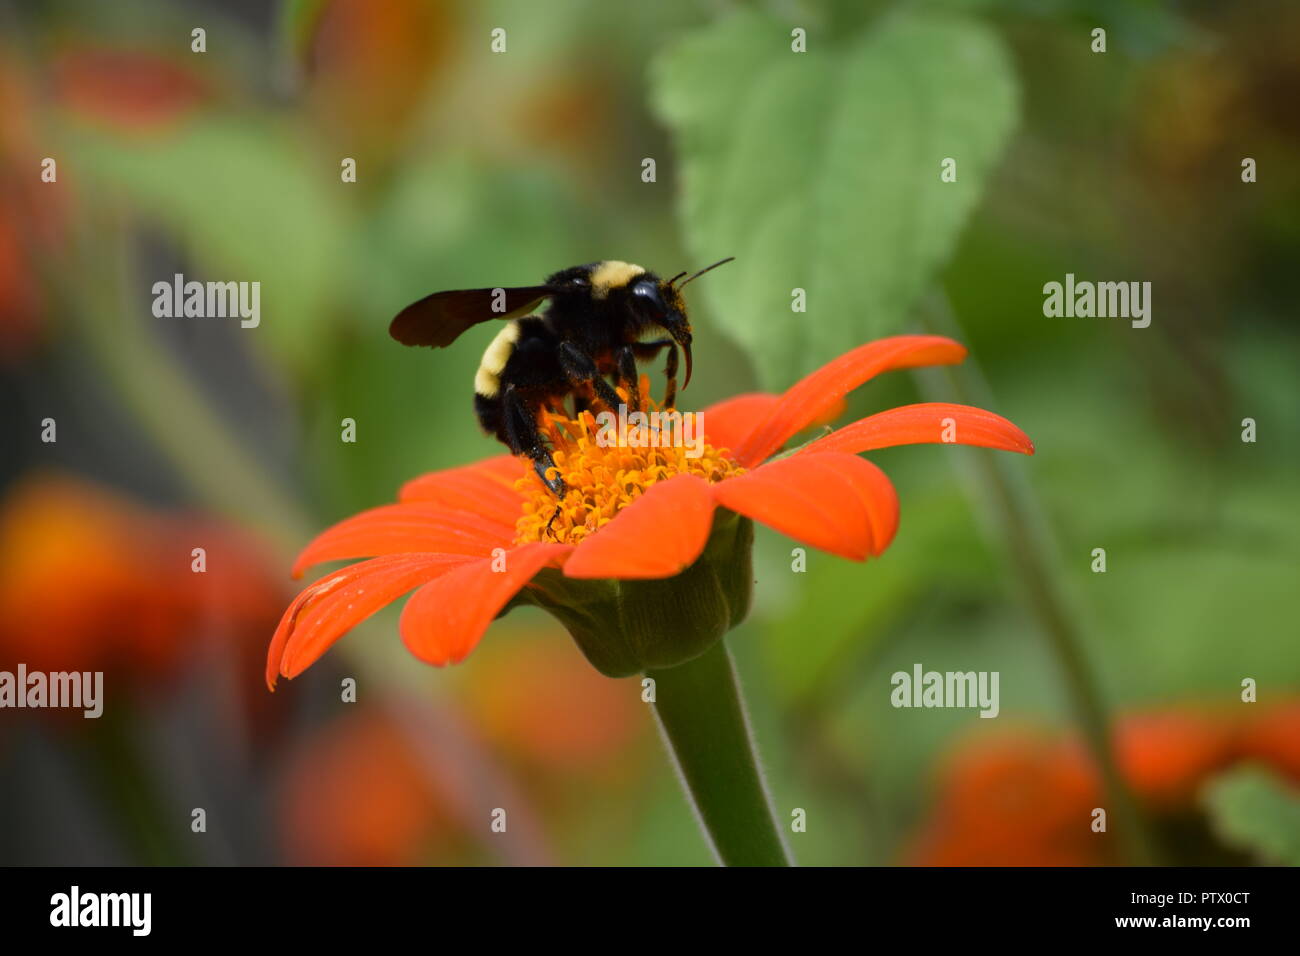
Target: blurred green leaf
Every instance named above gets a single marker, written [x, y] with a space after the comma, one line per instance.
[454, 219]
[1252, 808]
[842, 609]
[821, 170]
[247, 203]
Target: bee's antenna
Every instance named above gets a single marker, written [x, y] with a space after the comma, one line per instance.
[720, 262]
[676, 277]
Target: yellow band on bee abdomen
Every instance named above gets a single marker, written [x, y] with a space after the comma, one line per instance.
[487, 380]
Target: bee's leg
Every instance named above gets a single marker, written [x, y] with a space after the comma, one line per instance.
[670, 374]
[581, 370]
[524, 438]
[649, 350]
[627, 376]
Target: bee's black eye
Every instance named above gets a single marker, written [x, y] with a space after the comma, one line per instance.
[649, 292]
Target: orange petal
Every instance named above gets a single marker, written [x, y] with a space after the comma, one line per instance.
[728, 423]
[838, 503]
[924, 424]
[332, 606]
[485, 488]
[443, 620]
[809, 399]
[406, 528]
[656, 536]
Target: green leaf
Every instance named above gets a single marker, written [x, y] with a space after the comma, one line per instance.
[1254, 809]
[821, 171]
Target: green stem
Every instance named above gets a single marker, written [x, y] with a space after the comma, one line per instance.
[702, 716]
[1065, 642]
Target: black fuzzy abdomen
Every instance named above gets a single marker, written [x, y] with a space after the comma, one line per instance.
[490, 415]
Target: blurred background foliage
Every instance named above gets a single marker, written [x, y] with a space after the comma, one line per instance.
[817, 171]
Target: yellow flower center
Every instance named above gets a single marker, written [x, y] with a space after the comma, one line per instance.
[607, 460]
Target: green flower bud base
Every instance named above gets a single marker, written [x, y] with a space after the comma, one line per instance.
[628, 627]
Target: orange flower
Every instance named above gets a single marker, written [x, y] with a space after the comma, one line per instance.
[1272, 737]
[1026, 799]
[538, 701]
[474, 540]
[128, 89]
[1014, 800]
[370, 65]
[1167, 755]
[358, 793]
[33, 214]
[91, 581]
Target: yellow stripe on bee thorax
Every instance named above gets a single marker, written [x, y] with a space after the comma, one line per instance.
[487, 380]
[612, 274]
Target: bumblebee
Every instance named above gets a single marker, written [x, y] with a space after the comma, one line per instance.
[599, 321]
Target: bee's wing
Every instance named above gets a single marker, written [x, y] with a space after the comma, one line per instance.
[439, 319]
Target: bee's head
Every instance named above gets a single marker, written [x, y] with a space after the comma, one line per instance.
[659, 301]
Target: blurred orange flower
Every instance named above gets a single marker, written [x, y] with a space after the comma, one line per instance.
[1165, 755]
[357, 794]
[136, 90]
[369, 65]
[91, 581]
[32, 212]
[1026, 799]
[18, 293]
[537, 699]
[1273, 738]
[1016, 800]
